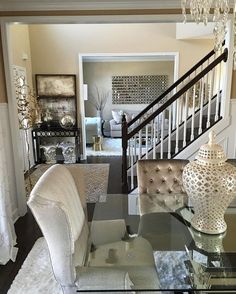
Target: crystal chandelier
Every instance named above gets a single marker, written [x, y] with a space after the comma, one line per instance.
[210, 10]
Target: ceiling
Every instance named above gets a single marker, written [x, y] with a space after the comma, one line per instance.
[17, 5]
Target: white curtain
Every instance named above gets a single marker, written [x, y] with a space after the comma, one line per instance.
[7, 231]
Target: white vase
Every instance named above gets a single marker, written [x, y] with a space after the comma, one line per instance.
[210, 183]
[99, 124]
[99, 113]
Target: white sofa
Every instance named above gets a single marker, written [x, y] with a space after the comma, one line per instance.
[57, 207]
[116, 121]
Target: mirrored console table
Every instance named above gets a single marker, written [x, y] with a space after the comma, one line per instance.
[56, 145]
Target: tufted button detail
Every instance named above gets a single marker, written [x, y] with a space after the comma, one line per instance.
[163, 180]
[169, 169]
[157, 169]
[144, 171]
[157, 191]
[175, 180]
[170, 191]
[151, 180]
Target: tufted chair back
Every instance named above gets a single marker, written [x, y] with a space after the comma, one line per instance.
[160, 176]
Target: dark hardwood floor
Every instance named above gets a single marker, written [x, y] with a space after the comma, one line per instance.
[28, 232]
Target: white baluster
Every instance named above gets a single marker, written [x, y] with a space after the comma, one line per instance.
[146, 141]
[135, 146]
[185, 118]
[129, 152]
[154, 140]
[209, 100]
[173, 115]
[213, 83]
[132, 163]
[140, 144]
[201, 106]
[162, 132]
[218, 94]
[177, 128]
[214, 90]
[193, 113]
[169, 132]
[207, 83]
[158, 128]
[158, 140]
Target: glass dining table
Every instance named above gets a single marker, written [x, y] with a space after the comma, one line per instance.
[150, 243]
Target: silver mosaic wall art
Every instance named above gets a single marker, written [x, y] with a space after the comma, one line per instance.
[138, 89]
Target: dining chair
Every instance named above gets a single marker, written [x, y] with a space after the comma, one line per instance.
[56, 206]
[159, 180]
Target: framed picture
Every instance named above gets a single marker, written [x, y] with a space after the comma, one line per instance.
[55, 85]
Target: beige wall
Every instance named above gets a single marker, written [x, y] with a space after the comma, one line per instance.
[3, 94]
[19, 36]
[55, 48]
[100, 74]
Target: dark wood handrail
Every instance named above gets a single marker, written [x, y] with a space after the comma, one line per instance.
[222, 57]
[180, 80]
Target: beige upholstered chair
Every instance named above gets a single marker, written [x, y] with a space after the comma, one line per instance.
[56, 206]
[163, 178]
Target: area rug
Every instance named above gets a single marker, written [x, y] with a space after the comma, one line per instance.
[35, 275]
[110, 146]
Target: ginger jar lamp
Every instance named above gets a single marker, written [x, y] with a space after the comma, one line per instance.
[210, 183]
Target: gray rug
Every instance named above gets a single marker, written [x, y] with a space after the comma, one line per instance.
[110, 146]
[35, 275]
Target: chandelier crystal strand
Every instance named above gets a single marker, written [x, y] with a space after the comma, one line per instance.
[183, 5]
[220, 18]
[201, 12]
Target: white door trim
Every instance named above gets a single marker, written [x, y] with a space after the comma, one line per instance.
[123, 56]
[14, 124]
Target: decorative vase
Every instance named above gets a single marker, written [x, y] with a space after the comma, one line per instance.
[99, 113]
[210, 183]
[67, 121]
[99, 122]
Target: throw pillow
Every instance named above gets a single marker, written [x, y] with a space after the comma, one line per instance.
[117, 116]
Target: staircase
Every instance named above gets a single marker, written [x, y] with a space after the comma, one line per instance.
[179, 116]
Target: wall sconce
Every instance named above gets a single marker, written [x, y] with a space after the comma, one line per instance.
[24, 56]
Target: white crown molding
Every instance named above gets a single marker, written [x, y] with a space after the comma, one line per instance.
[36, 5]
[16, 5]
